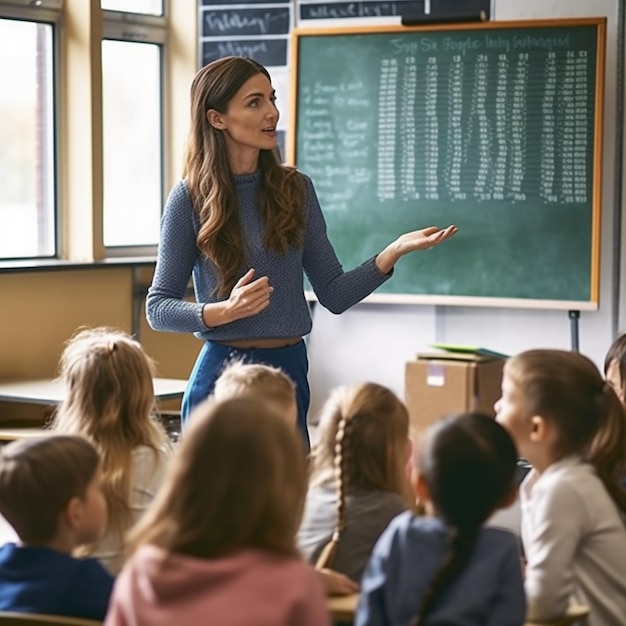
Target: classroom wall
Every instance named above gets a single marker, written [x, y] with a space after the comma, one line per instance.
[373, 341]
[370, 342]
[41, 310]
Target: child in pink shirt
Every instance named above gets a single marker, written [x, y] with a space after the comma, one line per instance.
[217, 546]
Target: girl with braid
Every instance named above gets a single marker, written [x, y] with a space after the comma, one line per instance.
[358, 480]
[571, 427]
[447, 568]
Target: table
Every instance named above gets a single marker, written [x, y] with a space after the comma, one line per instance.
[50, 391]
[343, 608]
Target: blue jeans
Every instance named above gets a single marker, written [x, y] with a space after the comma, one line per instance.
[215, 356]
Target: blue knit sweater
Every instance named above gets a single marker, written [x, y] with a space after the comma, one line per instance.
[288, 314]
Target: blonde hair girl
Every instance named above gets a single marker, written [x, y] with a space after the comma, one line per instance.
[358, 480]
[110, 401]
[260, 382]
[571, 427]
[217, 545]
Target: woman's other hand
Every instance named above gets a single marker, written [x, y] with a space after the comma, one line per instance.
[249, 296]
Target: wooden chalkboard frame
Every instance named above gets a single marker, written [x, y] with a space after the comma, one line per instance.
[596, 197]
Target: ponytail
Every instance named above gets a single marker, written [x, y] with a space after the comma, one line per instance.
[461, 544]
[608, 449]
[341, 464]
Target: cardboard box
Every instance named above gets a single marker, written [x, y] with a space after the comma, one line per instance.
[440, 384]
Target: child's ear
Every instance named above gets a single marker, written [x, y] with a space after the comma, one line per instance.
[538, 428]
[73, 513]
[215, 119]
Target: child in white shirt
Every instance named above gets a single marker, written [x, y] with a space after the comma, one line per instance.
[570, 425]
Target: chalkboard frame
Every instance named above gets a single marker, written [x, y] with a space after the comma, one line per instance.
[590, 304]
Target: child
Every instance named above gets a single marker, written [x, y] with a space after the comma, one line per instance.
[358, 480]
[218, 544]
[615, 367]
[50, 492]
[449, 568]
[571, 427]
[255, 380]
[110, 401]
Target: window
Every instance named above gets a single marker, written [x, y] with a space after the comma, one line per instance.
[27, 192]
[132, 70]
[132, 171]
[70, 188]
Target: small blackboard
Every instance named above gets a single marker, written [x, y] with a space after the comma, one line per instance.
[495, 127]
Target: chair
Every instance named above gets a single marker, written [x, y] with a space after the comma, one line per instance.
[8, 618]
[574, 613]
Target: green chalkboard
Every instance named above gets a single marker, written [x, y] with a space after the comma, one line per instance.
[494, 127]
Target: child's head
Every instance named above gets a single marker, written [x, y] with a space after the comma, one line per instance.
[363, 444]
[238, 481]
[110, 400]
[50, 490]
[556, 403]
[258, 381]
[466, 470]
[615, 367]
[109, 389]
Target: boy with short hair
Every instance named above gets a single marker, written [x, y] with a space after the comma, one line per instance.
[50, 492]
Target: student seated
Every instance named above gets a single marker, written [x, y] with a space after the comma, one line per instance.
[51, 493]
[259, 381]
[448, 567]
[110, 401]
[217, 545]
[571, 427]
[359, 481]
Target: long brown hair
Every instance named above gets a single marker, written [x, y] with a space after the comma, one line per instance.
[110, 401]
[238, 481]
[363, 444]
[567, 389]
[210, 180]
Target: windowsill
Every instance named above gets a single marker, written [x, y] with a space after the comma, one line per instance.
[55, 265]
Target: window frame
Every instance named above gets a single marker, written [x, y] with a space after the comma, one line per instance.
[149, 29]
[77, 149]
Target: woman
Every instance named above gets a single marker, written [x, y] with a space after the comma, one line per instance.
[246, 227]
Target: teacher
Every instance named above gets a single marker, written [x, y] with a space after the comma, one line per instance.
[246, 227]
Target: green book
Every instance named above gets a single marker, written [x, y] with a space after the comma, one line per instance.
[459, 349]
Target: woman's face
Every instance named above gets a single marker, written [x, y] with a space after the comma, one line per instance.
[249, 124]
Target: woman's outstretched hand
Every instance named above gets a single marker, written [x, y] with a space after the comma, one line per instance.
[423, 239]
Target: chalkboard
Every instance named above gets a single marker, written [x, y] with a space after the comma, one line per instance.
[495, 127]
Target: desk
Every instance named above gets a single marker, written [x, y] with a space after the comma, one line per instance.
[49, 391]
[343, 608]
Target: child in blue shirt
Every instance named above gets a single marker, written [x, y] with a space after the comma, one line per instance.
[447, 568]
[50, 492]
